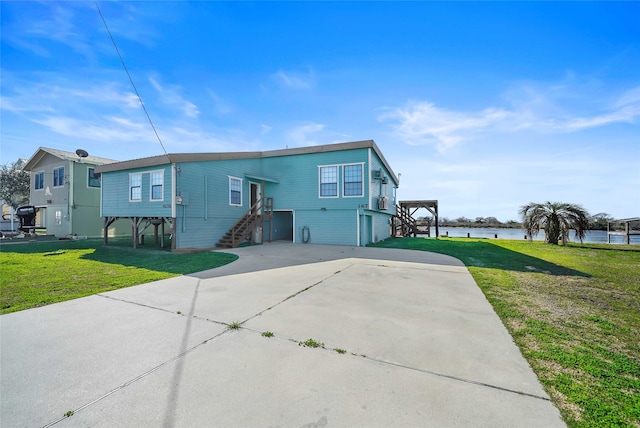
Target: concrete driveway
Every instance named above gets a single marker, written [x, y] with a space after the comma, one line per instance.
[408, 340]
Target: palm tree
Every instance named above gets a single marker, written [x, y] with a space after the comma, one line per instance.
[556, 219]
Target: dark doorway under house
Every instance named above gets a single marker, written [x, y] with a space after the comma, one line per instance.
[283, 226]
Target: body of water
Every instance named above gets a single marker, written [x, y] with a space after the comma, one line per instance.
[592, 237]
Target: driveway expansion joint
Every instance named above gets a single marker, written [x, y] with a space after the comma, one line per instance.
[179, 313]
[135, 379]
[404, 366]
[296, 294]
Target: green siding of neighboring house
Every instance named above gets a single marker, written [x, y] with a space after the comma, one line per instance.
[85, 209]
[71, 208]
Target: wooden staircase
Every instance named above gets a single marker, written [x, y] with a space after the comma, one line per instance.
[244, 229]
[403, 223]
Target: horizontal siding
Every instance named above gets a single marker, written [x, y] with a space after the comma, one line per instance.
[86, 201]
[115, 194]
[59, 195]
[378, 188]
[299, 182]
[206, 215]
[381, 227]
[86, 221]
[327, 227]
[82, 193]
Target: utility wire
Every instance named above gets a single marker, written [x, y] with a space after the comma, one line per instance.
[131, 80]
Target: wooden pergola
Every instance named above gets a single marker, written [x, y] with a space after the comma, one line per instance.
[631, 227]
[407, 209]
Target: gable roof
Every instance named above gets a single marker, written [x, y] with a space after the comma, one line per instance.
[61, 154]
[196, 157]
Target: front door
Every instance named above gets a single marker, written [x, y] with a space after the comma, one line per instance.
[256, 194]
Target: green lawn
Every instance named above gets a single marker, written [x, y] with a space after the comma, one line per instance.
[574, 312]
[40, 273]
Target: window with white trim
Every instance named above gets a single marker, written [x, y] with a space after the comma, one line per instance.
[353, 185]
[58, 177]
[235, 191]
[135, 187]
[157, 185]
[328, 181]
[38, 181]
[92, 180]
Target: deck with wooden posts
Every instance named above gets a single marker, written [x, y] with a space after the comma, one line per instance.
[631, 227]
[404, 224]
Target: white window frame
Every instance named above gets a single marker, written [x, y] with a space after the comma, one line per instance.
[131, 175]
[320, 183]
[35, 180]
[151, 173]
[89, 168]
[344, 180]
[232, 179]
[54, 176]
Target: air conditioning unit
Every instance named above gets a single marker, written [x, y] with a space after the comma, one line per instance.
[383, 203]
[385, 179]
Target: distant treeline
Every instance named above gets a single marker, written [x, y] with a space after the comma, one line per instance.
[597, 221]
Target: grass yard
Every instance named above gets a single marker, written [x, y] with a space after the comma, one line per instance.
[40, 273]
[573, 311]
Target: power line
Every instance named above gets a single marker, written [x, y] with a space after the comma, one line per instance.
[131, 80]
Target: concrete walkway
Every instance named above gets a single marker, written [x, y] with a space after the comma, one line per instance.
[422, 347]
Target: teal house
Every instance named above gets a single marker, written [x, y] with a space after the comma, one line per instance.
[341, 194]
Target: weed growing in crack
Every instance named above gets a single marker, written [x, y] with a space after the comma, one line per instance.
[69, 414]
[340, 350]
[267, 334]
[234, 325]
[310, 343]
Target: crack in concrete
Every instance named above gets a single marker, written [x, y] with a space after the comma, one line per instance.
[163, 310]
[417, 369]
[180, 355]
[297, 293]
[187, 351]
[135, 379]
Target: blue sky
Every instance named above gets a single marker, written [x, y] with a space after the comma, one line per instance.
[484, 106]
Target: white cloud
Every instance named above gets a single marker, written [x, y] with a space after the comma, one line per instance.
[219, 105]
[108, 92]
[170, 96]
[625, 114]
[555, 109]
[295, 80]
[16, 105]
[113, 129]
[630, 97]
[56, 95]
[265, 129]
[303, 135]
[423, 123]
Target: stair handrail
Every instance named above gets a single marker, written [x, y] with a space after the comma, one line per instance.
[408, 224]
[248, 221]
